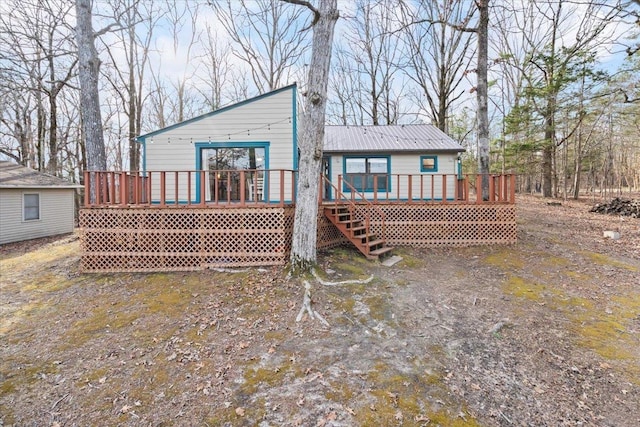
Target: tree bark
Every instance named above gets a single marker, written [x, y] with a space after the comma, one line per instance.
[303, 251]
[88, 72]
[482, 96]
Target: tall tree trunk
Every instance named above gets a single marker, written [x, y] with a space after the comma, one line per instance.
[548, 151]
[303, 251]
[134, 160]
[482, 96]
[88, 72]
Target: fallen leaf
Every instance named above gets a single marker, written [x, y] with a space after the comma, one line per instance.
[350, 410]
[240, 411]
[102, 380]
[398, 416]
[331, 416]
[125, 409]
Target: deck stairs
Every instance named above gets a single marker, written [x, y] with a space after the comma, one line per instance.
[358, 233]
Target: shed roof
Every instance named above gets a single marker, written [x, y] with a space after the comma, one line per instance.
[391, 138]
[17, 176]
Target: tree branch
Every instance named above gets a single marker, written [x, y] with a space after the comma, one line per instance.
[316, 13]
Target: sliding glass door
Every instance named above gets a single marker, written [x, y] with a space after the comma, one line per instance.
[224, 165]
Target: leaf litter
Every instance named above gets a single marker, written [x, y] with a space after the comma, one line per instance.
[411, 347]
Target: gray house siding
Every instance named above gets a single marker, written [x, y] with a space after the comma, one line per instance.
[56, 214]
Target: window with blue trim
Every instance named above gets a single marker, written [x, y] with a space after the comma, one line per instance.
[367, 173]
[428, 163]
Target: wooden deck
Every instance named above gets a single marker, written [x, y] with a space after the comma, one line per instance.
[123, 228]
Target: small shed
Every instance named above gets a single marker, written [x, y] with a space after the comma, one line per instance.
[34, 204]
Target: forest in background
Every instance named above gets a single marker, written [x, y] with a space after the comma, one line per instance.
[564, 77]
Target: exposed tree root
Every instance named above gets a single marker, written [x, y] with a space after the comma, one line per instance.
[306, 306]
[306, 299]
[344, 282]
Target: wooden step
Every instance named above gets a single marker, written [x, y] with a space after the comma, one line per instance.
[368, 243]
[383, 250]
[375, 243]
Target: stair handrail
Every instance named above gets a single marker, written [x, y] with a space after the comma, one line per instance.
[370, 207]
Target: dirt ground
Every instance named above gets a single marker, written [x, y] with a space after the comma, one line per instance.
[542, 333]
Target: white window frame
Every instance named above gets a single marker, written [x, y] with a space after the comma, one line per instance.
[24, 206]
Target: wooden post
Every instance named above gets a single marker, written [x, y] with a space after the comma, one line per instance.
[163, 196]
[479, 188]
[410, 188]
[242, 188]
[282, 188]
[124, 189]
[512, 195]
[188, 188]
[148, 186]
[87, 187]
[203, 189]
[492, 189]
[444, 188]
[176, 196]
[433, 187]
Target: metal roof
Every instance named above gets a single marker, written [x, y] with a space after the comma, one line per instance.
[17, 176]
[391, 138]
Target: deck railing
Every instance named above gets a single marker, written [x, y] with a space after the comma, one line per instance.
[277, 187]
[420, 188]
[203, 188]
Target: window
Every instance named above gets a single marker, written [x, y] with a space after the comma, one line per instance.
[367, 173]
[31, 207]
[428, 163]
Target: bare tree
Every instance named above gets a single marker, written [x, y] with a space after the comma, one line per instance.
[266, 36]
[41, 57]
[369, 57]
[303, 251]
[437, 55]
[127, 80]
[214, 76]
[88, 73]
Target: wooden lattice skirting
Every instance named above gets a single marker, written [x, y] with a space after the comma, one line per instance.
[152, 239]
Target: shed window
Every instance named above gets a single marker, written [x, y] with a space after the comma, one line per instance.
[367, 173]
[31, 207]
[428, 163]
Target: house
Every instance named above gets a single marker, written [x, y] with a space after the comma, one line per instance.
[219, 190]
[34, 204]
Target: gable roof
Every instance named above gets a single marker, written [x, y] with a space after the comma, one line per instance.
[391, 138]
[218, 111]
[17, 176]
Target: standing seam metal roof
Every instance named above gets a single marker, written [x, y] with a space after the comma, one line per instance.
[391, 138]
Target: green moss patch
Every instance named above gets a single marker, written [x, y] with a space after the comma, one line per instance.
[600, 259]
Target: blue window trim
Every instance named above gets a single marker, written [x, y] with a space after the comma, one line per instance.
[346, 188]
[435, 164]
[329, 160]
[199, 146]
